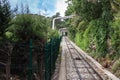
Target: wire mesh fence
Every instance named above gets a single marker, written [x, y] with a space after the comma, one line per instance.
[22, 60]
[28, 60]
[51, 53]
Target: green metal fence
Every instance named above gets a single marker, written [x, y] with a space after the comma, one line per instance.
[51, 53]
[29, 60]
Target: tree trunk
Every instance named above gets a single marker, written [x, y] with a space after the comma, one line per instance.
[8, 69]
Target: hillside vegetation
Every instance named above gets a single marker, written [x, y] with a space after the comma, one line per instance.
[96, 29]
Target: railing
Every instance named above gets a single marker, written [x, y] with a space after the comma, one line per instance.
[28, 60]
[51, 53]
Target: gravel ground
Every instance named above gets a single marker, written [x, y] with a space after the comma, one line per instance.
[55, 76]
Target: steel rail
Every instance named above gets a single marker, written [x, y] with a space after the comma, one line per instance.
[78, 72]
[65, 64]
[86, 62]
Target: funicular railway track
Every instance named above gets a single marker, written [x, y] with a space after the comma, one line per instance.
[78, 68]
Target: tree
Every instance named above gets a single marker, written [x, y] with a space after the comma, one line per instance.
[5, 16]
[5, 47]
[99, 13]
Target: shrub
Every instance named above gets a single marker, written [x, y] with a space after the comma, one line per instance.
[116, 66]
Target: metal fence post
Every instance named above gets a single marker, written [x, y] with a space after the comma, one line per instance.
[51, 60]
[30, 72]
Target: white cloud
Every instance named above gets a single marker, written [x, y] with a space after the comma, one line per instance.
[61, 6]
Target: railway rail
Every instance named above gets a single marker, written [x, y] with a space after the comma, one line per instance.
[77, 67]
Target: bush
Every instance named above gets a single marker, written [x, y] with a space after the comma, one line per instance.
[115, 36]
[28, 26]
[53, 34]
[116, 66]
[78, 39]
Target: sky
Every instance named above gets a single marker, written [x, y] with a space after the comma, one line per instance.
[44, 7]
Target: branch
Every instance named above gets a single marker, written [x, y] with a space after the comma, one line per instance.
[116, 3]
[4, 51]
[3, 63]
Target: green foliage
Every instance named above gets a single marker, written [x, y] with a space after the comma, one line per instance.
[115, 36]
[87, 10]
[82, 26]
[28, 26]
[104, 28]
[5, 15]
[20, 30]
[22, 26]
[78, 39]
[101, 38]
[116, 66]
[41, 26]
[53, 34]
[9, 35]
[85, 36]
[70, 9]
[72, 32]
[92, 25]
